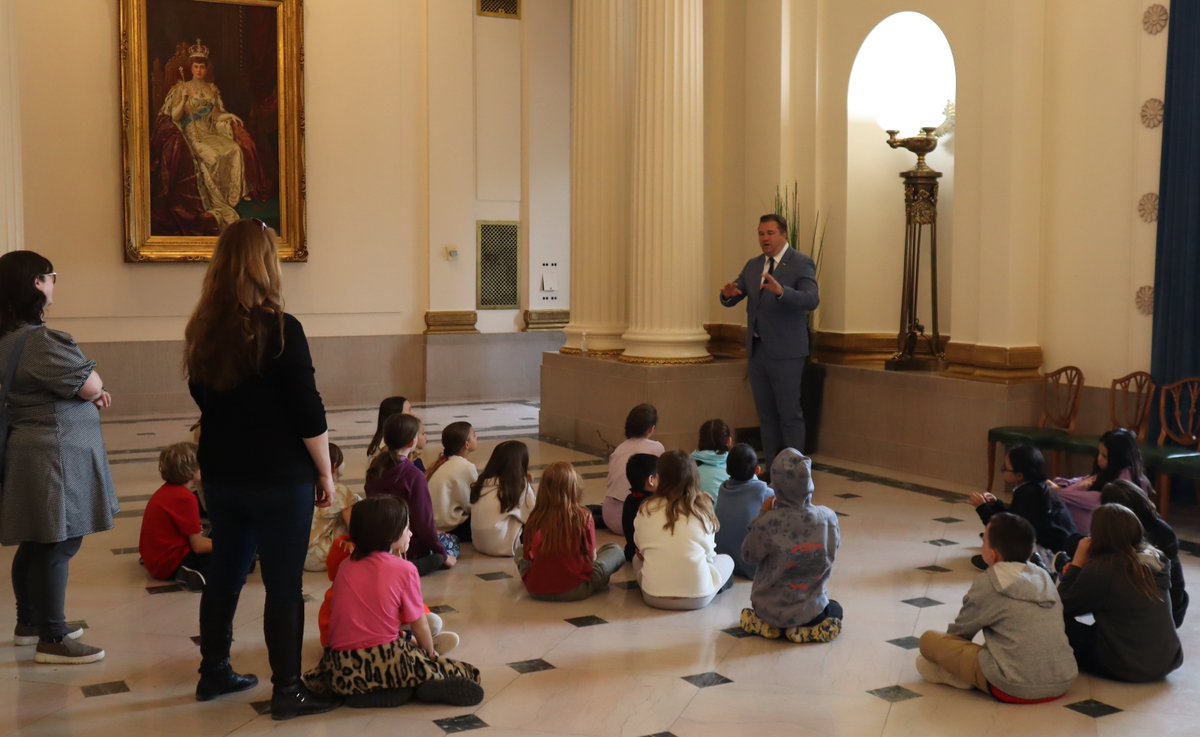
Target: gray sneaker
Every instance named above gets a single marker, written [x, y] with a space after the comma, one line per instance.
[67, 652]
[27, 634]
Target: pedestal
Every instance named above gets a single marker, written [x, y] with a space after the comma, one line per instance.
[585, 399]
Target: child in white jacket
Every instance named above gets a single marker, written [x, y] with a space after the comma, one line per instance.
[677, 564]
[501, 499]
[450, 480]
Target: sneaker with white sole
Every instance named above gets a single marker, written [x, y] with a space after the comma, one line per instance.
[27, 634]
[934, 673]
[192, 579]
[67, 652]
[444, 642]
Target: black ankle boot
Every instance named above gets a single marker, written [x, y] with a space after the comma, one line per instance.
[298, 701]
[220, 682]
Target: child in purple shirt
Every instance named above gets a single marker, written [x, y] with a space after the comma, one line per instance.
[391, 473]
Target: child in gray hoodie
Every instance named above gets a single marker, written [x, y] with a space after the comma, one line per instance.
[793, 544]
[1025, 656]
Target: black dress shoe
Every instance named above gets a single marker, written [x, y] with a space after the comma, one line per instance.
[298, 701]
[212, 685]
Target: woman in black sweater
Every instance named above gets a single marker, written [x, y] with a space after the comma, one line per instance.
[264, 448]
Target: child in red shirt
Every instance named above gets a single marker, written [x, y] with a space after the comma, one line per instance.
[558, 559]
[171, 544]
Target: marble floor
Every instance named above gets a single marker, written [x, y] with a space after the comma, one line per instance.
[605, 666]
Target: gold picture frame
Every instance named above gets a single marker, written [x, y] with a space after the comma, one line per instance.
[212, 124]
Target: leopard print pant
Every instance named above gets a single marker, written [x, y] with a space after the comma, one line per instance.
[398, 664]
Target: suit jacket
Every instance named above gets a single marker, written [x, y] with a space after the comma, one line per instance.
[781, 323]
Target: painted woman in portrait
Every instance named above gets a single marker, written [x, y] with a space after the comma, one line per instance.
[204, 162]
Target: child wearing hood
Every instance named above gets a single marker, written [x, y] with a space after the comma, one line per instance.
[712, 450]
[793, 544]
[1025, 656]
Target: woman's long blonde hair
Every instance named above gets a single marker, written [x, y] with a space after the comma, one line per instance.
[240, 312]
[557, 514]
[679, 491]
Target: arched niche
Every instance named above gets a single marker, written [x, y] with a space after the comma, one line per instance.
[903, 76]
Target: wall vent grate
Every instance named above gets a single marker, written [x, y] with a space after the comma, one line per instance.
[499, 8]
[499, 265]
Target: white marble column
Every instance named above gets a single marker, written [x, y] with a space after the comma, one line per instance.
[666, 274]
[11, 207]
[602, 35]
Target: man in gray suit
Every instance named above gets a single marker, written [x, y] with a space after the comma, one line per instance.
[780, 289]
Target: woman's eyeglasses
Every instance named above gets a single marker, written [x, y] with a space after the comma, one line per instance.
[51, 275]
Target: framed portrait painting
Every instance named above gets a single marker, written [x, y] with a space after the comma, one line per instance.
[212, 121]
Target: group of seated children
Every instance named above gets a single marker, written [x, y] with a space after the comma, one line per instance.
[691, 523]
[1122, 568]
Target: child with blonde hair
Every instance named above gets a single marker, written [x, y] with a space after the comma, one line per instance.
[171, 544]
[558, 559]
[677, 564]
[330, 523]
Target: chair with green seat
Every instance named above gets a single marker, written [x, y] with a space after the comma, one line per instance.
[1178, 449]
[1129, 402]
[1060, 405]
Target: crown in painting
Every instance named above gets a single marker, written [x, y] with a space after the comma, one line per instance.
[198, 51]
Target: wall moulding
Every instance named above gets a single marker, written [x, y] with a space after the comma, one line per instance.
[1003, 364]
[450, 322]
[536, 320]
[861, 348]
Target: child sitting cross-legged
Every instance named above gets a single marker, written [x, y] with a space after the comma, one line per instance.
[1033, 500]
[1125, 583]
[391, 473]
[171, 544]
[677, 564]
[642, 473]
[331, 522]
[557, 558]
[450, 480]
[1025, 656]
[741, 500]
[793, 544]
[370, 660]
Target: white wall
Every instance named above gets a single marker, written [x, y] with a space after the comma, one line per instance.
[393, 144]
[1100, 67]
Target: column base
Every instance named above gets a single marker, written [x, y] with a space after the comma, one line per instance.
[659, 349]
[602, 340]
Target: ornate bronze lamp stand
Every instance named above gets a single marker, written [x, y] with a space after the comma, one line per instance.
[920, 214]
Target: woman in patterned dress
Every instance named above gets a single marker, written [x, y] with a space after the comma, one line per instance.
[56, 485]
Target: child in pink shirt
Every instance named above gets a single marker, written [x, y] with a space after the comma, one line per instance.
[371, 660]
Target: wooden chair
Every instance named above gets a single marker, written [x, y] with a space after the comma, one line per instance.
[1178, 449]
[1129, 402]
[1060, 405]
